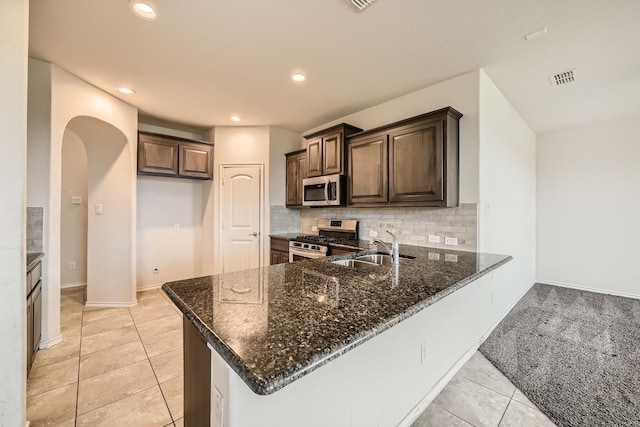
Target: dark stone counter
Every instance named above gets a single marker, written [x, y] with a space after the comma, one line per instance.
[33, 258]
[275, 324]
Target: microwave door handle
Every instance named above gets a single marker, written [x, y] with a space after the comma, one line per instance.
[326, 192]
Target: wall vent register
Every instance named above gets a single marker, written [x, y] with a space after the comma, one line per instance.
[360, 5]
[563, 78]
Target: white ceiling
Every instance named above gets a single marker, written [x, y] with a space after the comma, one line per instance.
[205, 60]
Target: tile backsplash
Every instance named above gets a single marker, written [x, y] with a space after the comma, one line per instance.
[283, 220]
[412, 226]
[34, 229]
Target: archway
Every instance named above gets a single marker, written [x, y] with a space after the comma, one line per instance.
[109, 205]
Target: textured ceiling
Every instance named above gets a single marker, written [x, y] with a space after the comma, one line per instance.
[203, 61]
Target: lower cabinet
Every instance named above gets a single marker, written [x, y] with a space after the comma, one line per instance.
[34, 313]
[279, 251]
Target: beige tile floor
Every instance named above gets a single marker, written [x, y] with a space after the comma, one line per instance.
[115, 366]
[481, 396]
[121, 366]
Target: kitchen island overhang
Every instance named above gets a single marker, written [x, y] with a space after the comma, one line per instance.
[275, 325]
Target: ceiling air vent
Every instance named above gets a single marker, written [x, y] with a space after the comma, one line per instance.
[563, 78]
[360, 5]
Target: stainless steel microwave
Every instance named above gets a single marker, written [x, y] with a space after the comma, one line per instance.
[328, 190]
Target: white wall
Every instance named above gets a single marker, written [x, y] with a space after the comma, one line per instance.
[14, 29]
[460, 93]
[233, 145]
[507, 209]
[589, 207]
[162, 203]
[73, 218]
[55, 98]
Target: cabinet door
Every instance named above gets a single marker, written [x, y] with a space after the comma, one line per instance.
[368, 169]
[157, 156]
[196, 161]
[416, 163]
[314, 156]
[275, 257]
[29, 354]
[302, 174]
[292, 180]
[37, 317]
[296, 168]
[332, 149]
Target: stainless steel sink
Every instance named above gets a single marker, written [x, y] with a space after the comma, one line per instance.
[380, 259]
[369, 261]
[355, 263]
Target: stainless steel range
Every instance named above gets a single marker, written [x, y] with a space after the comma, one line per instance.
[317, 246]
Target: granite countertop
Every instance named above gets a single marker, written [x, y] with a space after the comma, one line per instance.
[33, 258]
[275, 324]
[285, 236]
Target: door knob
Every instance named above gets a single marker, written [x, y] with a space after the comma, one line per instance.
[254, 234]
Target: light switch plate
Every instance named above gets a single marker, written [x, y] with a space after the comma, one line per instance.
[434, 238]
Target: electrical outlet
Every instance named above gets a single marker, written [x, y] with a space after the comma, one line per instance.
[451, 241]
[373, 233]
[434, 238]
[218, 407]
[314, 228]
[434, 256]
[176, 227]
[424, 352]
[72, 265]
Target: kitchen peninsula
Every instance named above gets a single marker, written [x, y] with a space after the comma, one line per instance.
[317, 343]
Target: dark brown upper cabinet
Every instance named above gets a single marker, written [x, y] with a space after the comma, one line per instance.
[368, 163]
[164, 155]
[326, 150]
[296, 171]
[413, 162]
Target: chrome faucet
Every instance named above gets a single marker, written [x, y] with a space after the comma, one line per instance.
[394, 251]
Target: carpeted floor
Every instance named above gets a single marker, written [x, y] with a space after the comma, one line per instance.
[575, 354]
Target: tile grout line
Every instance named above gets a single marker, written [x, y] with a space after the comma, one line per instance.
[489, 388]
[153, 370]
[446, 410]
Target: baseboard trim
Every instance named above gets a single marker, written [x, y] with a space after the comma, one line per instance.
[110, 304]
[442, 383]
[148, 288]
[73, 285]
[589, 289]
[50, 343]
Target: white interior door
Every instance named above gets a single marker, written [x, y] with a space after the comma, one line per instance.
[241, 228]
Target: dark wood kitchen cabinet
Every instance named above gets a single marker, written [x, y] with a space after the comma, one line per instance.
[368, 165]
[296, 166]
[34, 312]
[413, 162]
[164, 155]
[279, 251]
[326, 150]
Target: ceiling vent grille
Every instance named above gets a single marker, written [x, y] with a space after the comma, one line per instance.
[563, 78]
[360, 5]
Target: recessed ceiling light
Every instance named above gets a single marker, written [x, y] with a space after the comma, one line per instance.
[125, 90]
[143, 9]
[538, 33]
[298, 77]
[235, 118]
